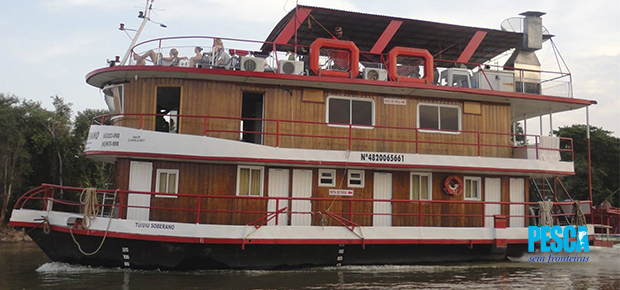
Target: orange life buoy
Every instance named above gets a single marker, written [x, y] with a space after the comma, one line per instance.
[353, 61]
[453, 185]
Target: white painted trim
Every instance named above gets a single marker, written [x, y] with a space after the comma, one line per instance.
[190, 230]
[333, 173]
[350, 111]
[430, 184]
[167, 171]
[439, 130]
[150, 142]
[349, 178]
[478, 189]
[262, 178]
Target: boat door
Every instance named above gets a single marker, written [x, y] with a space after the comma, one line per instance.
[517, 194]
[140, 175]
[278, 187]
[382, 216]
[302, 187]
[492, 192]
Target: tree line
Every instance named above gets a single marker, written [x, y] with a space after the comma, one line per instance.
[38, 146]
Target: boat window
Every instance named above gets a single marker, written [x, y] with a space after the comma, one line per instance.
[355, 111]
[471, 188]
[439, 117]
[327, 177]
[355, 178]
[421, 186]
[167, 182]
[250, 180]
[168, 104]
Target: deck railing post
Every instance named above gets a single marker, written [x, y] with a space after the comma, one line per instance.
[479, 151]
[277, 209]
[419, 213]
[417, 143]
[120, 206]
[142, 121]
[198, 211]
[536, 141]
[204, 132]
[278, 133]
[350, 134]
[103, 120]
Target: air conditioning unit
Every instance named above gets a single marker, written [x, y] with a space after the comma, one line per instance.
[252, 63]
[291, 67]
[376, 74]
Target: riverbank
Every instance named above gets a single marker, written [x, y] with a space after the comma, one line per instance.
[10, 235]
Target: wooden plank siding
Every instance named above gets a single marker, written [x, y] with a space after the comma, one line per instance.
[206, 98]
[221, 179]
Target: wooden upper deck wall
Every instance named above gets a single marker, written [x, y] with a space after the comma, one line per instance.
[210, 98]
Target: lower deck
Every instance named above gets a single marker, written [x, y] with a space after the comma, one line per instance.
[232, 194]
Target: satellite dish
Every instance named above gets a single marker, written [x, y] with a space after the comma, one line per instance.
[515, 24]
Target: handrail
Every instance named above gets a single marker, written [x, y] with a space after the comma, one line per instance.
[44, 189]
[410, 132]
[380, 56]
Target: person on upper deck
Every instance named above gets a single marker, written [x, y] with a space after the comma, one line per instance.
[197, 58]
[218, 54]
[339, 34]
[158, 59]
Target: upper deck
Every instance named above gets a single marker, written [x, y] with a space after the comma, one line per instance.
[394, 66]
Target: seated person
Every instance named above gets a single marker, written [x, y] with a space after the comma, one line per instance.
[172, 60]
[219, 55]
[198, 58]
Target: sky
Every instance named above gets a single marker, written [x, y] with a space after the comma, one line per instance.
[49, 46]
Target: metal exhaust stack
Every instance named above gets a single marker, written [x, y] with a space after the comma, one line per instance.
[524, 56]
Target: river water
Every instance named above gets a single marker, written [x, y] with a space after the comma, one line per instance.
[24, 266]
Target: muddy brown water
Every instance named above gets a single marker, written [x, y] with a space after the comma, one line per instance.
[24, 266]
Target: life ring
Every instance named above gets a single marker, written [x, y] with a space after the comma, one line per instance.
[453, 185]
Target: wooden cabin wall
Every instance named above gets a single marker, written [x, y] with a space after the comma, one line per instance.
[220, 179]
[206, 98]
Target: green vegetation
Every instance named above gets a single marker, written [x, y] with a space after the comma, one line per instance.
[605, 156]
[43, 146]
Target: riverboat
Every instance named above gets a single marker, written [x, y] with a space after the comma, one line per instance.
[398, 145]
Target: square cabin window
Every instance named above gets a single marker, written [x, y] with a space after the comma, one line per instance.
[327, 177]
[355, 178]
[250, 180]
[439, 117]
[471, 188]
[354, 111]
[167, 181]
[421, 186]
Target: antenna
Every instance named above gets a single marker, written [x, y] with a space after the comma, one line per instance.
[146, 17]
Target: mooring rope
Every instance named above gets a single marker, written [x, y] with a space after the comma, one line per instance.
[579, 219]
[90, 213]
[546, 218]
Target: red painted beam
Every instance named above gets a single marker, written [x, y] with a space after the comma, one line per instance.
[386, 36]
[472, 46]
[292, 26]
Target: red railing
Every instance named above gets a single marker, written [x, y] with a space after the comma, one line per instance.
[502, 140]
[45, 195]
[242, 47]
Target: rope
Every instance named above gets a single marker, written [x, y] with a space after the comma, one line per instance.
[579, 219]
[546, 219]
[90, 213]
[88, 198]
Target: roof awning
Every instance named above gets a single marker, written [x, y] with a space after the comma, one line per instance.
[379, 34]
